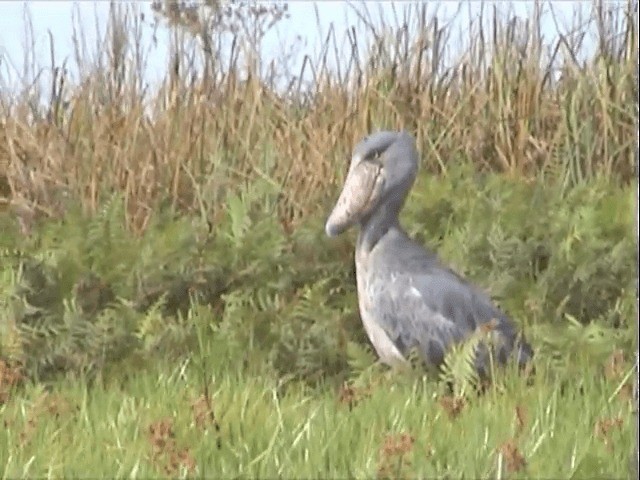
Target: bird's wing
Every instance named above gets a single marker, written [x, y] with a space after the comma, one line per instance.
[431, 309]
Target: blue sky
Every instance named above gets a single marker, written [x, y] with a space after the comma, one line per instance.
[57, 17]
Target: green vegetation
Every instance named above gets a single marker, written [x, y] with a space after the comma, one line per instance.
[170, 305]
[156, 423]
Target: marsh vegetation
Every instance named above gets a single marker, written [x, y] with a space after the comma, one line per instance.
[169, 304]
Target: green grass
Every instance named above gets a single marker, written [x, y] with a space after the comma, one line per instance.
[269, 431]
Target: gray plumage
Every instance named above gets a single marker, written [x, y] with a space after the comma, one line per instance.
[407, 298]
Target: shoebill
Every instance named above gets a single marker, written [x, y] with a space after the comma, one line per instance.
[407, 298]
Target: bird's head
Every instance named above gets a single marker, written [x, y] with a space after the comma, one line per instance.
[382, 170]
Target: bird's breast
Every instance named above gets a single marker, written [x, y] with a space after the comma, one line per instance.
[382, 343]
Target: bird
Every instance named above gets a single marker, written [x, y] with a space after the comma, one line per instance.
[407, 298]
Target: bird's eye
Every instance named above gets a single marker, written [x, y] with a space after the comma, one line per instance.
[374, 156]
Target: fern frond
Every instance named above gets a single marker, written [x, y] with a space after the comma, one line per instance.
[459, 366]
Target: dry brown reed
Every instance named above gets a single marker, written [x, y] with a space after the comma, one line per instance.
[509, 101]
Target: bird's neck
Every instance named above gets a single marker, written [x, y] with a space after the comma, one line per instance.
[377, 224]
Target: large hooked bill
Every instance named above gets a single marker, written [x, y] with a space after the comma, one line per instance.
[360, 193]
